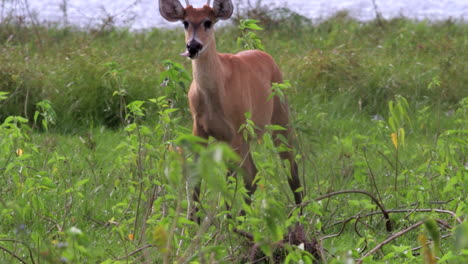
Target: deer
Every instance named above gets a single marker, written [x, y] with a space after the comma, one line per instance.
[227, 86]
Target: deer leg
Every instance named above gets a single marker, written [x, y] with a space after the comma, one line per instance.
[294, 181]
[197, 130]
[247, 164]
[194, 208]
[281, 117]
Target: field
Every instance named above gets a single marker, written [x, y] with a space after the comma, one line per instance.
[97, 161]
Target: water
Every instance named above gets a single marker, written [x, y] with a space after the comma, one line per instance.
[143, 14]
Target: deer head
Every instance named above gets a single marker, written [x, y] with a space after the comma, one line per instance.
[198, 22]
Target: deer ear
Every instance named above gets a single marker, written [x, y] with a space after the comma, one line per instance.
[171, 10]
[223, 9]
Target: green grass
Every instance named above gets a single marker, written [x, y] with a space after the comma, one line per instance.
[337, 58]
[102, 180]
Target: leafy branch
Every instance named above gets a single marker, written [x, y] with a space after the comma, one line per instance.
[248, 38]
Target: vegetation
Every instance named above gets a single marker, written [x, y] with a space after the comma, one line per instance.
[97, 162]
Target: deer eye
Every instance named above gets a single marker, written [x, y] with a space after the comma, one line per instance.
[186, 24]
[207, 24]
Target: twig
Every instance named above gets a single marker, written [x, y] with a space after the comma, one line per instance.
[341, 230]
[417, 248]
[195, 241]
[243, 233]
[378, 15]
[388, 223]
[442, 202]
[406, 211]
[444, 224]
[34, 23]
[253, 252]
[358, 219]
[135, 251]
[13, 255]
[391, 162]
[24, 244]
[390, 239]
[422, 211]
[372, 177]
[56, 225]
[26, 104]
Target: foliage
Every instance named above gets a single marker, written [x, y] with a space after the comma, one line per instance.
[249, 40]
[47, 114]
[365, 116]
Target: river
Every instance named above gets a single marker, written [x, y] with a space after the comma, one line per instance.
[143, 14]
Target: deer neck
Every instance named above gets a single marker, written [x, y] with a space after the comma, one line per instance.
[208, 71]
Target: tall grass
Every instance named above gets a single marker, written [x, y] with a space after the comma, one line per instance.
[364, 64]
[97, 163]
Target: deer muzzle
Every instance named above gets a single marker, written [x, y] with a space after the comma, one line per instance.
[193, 48]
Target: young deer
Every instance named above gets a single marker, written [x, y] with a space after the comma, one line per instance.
[226, 86]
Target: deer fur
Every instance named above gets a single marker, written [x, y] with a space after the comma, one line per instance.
[227, 86]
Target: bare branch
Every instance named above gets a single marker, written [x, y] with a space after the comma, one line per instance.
[390, 211]
[341, 230]
[23, 243]
[135, 251]
[390, 239]
[244, 234]
[442, 202]
[371, 174]
[443, 224]
[13, 255]
[388, 223]
[430, 242]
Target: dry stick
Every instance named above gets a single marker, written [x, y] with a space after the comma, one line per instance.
[23, 243]
[243, 233]
[391, 162]
[421, 211]
[396, 170]
[390, 239]
[34, 23]
[140, 178]
[417, 248]
[405, 211]
[372, 177]
[26, 104]
[444, 224]
[442, 202]
[195, 241]
[388, 224]
[135, 251]
[378, 15]
[339, 233]
[13, 255]
[3, 8]
[358, 219]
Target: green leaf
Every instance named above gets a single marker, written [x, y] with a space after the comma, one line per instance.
[82, 182]
[131, 127]
[434, 234]
[275, 128]
[3, 95]
[36, 115]
[47, 183]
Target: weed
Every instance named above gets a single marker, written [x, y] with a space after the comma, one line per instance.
[380, 115]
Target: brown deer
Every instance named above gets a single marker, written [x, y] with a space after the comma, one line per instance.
[227, 86]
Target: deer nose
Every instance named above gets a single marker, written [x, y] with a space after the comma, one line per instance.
[193, 47]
